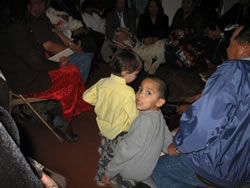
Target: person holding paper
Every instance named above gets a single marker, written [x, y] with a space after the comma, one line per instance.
[55, 41]
[28, 72]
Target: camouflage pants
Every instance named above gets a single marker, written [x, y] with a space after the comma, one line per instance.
[107, 155]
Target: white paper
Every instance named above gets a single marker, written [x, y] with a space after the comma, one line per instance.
[67, 52]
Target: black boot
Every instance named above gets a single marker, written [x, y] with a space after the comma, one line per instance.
[67, 133]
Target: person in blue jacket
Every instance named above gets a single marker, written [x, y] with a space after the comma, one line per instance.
[212, 146]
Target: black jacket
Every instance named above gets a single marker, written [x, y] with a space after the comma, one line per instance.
[113, 22]
[22, 60]
[147, 29]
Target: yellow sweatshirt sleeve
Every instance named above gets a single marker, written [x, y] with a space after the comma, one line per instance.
[90, 95]
[130, 108]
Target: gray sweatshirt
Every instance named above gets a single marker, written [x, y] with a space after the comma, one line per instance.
[137, 154]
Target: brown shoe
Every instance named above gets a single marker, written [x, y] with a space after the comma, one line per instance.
[67, 133]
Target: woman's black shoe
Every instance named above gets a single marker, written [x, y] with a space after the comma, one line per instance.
[67, 133]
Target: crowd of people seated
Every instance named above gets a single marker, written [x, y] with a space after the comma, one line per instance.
[210, 145]
[95, 20]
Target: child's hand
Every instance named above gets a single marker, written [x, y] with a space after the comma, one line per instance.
[193, 98]
[105, 180]
[172, 150]
[173, 132]
[63, 60]
[182, 108]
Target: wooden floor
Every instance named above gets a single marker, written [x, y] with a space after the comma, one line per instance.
[78, 161]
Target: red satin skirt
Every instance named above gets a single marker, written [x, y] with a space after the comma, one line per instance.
[67, 87]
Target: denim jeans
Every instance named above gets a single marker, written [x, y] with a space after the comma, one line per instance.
[83, 61]
[172, 172]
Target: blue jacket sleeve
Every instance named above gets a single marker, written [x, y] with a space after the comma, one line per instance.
[208, 117]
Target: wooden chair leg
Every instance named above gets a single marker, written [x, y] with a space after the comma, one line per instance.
[40, 117]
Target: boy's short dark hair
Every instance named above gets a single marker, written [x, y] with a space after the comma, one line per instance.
[125, 60]
[163, 88]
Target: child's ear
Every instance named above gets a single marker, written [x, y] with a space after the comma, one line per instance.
[160, 102]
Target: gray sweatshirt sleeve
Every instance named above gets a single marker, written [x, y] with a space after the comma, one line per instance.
[168, 136]
[129, 147]
[168, 140]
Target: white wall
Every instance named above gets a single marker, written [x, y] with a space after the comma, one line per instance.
[170, 7]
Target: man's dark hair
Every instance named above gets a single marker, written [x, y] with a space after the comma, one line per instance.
[243, 36]
[163, 89]
[125, 60]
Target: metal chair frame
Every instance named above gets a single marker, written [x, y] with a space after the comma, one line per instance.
[17, 99]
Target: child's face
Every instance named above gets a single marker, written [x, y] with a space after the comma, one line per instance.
[129, 77]
[148, 97]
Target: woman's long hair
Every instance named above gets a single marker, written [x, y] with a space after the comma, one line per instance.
[159, 5]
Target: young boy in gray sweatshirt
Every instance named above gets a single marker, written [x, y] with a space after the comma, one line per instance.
[137, 154]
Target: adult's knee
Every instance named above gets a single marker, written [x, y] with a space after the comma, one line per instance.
[86, 57]
[82, 60]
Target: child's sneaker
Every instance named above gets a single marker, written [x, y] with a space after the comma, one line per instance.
[99, 150]
[100, 184]
[103, 142]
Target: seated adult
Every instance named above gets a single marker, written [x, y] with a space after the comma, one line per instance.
[187, 18]
[53, 40]
[28, 72]
[91, 41]
[212, 145]
[238, 14]
[153, 24]
[187, 35]
[118, 17]
[121, 17]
